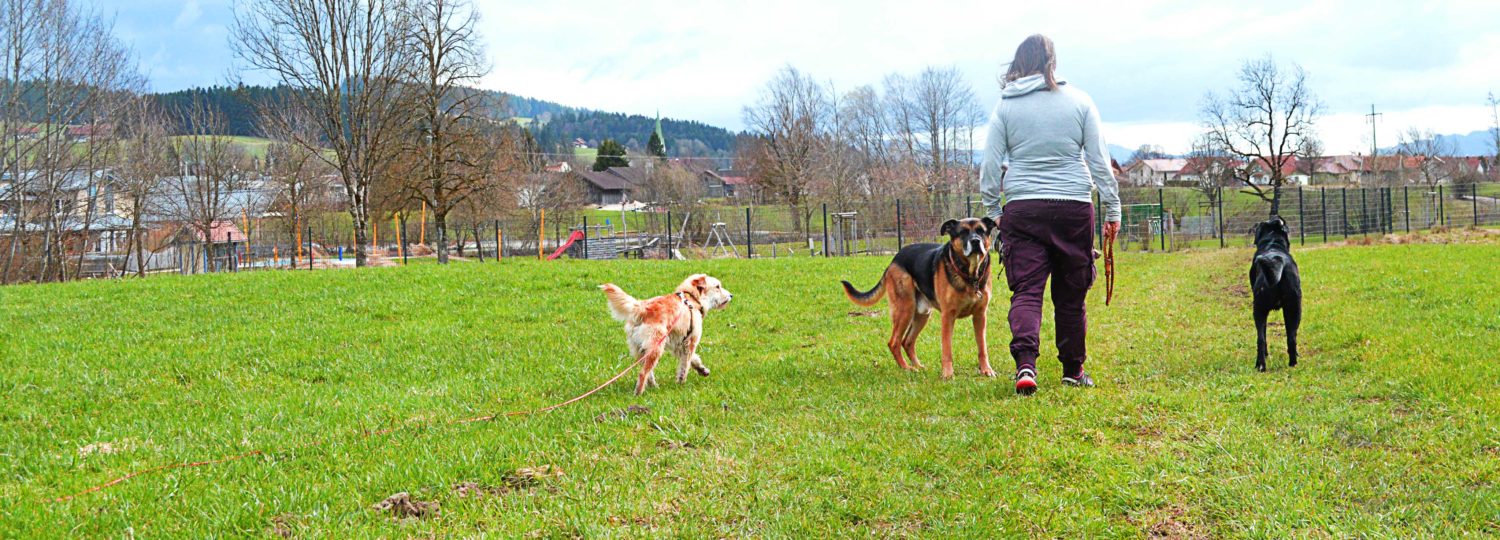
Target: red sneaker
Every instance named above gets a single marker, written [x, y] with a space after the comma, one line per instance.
[1025, 381]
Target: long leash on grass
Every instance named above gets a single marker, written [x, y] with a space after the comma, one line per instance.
[362, 435]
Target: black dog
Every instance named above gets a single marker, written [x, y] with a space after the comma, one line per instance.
[1277, 285]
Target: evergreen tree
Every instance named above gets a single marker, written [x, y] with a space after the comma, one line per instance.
[611, 154]
[657, 146]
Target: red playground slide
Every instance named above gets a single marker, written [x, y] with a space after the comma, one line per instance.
[576, 236]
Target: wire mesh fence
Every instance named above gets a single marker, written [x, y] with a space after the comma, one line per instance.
[1153, 219]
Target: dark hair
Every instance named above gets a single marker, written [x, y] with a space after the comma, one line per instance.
[1035, 55]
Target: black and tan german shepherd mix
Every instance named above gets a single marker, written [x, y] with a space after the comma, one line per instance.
[1276, 284]
[952, 277]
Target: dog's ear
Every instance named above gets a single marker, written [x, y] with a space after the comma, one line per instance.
[989, 225]
[949, 227]
[700, 282]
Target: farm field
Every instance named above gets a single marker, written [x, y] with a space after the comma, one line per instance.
[1390, 427]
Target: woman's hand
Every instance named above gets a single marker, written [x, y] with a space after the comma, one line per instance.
[1111, 229]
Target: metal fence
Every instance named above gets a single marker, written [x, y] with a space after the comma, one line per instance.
[1154, 219]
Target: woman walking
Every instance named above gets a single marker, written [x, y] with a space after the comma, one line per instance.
[1043, 158]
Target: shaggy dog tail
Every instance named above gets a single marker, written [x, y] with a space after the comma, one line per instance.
[622, 307]
[867, 298]
[1270, 266]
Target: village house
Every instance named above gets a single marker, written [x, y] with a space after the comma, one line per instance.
[1154, 172]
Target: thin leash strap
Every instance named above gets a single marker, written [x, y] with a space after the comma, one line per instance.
[1109, 268]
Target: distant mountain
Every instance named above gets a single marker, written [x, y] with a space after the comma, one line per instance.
[1116, 152]
[1476, 143]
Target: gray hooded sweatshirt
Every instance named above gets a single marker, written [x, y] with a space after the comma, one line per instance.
[1046, 145]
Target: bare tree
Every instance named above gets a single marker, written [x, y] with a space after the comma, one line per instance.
[947, 114]
[148, 158]
[296, 177]
[1431, 151]
[211, 170]
[1213, 169]
[792, 120]
[62, 65]
[1144, 152]
[1263, 121]
[447, 60]
[346, 60]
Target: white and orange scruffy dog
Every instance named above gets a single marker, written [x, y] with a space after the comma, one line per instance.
[673, 320]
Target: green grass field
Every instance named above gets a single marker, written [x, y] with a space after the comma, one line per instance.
[1390, 427]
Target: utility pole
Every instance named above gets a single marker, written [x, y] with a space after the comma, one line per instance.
[1374, 148]
[1495, 129]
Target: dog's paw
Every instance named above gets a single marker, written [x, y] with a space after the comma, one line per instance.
[947, 374]
[1260, 367]
[702, 370]
[987, 372]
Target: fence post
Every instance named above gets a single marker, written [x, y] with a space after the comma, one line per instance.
[1344, 195]
[899, 239]
[825, 230]
[749, 242]
[404, 243]
[1323, 209]
[1442, 207]
[1474, 198]
[1161, 216]
[310, 255]
[1364, 211]
[1221, 217]
[669, 235]
[968, 205]
[499, 246]
[1301, 218]
[585, 237]
[1406, 206]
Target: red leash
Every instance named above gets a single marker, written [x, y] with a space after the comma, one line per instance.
[367, 434]
[362, 435]
[1109, 267]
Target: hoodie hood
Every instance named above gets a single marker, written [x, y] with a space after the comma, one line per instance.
[1028, 84]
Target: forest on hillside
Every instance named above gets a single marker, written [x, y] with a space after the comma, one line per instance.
[555, 126]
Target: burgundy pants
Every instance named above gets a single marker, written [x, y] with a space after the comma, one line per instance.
[1041, 239]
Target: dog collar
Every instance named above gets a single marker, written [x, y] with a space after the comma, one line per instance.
[977, 283]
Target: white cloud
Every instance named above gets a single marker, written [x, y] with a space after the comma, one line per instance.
[1148, 65]
[189, 16]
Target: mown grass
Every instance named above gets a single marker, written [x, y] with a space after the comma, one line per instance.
[1389, 428]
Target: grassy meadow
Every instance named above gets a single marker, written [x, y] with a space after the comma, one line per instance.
[1390, 427]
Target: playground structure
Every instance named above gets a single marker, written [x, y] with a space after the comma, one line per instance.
[718, 241]
[846, 234]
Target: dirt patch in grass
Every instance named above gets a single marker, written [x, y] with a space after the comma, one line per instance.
[522, 479]
[526, 477]
[621, 414]
[675, 445]
[101, 448]
[1237, 290]
[870, 313]
[283, 525]
[1169, 522]
[403, 506]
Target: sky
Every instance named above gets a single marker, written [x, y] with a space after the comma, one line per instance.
[1148, 64]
